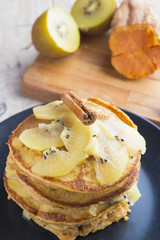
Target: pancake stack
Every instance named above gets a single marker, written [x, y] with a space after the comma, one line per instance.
[73, 166]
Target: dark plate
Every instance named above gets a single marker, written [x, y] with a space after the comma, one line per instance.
[144, 222]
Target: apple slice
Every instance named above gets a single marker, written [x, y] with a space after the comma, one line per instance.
[55, 33]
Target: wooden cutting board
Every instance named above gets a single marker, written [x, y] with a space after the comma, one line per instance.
[90, 74]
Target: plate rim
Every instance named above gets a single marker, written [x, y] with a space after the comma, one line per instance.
[150, 123]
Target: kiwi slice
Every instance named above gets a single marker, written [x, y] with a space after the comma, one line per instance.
[55, 33]
[93, 16]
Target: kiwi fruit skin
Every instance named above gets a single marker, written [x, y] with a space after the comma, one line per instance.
[42, 40]
[98, 29]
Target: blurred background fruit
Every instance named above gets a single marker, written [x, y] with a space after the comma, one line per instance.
[93, 16]
[55, 33]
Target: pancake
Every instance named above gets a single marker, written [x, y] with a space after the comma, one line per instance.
[69, 233]
[75, 181]
[69, 190]
[51, 197]
[63, 197]
[88, 196]
[66, 223]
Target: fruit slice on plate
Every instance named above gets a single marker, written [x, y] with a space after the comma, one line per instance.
[93, 16]
[13, 183]
[75, 140]
[56, 110]
[111, 168]
[43, 137]
[113, 145]
[57, 162]
[51, 110]
[110, 157]
[55, 33]
[54, 164]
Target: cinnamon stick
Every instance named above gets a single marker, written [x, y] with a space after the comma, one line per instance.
[79, 108]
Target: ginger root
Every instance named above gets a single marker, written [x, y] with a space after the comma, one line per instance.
[135, 40]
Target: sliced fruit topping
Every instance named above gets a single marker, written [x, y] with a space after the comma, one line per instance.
[55, 163]
[133, 194]
[75, 140]
[93, 16]
[111, 143]
[109, 170]
[125, 134]
[14, 183]
[110, 157]
[55, 33]
[44, 136]
[51, 110]
[93, 209]
[10, 173]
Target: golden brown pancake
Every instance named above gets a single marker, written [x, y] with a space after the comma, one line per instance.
[74, 204]
[75, 181]
[75, 221]
[74, 184]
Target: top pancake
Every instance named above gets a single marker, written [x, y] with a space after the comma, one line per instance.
[82, 178]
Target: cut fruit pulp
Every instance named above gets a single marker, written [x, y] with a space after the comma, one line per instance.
[55, 33]
[93, 16]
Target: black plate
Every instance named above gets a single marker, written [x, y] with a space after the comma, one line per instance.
[144, 222]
